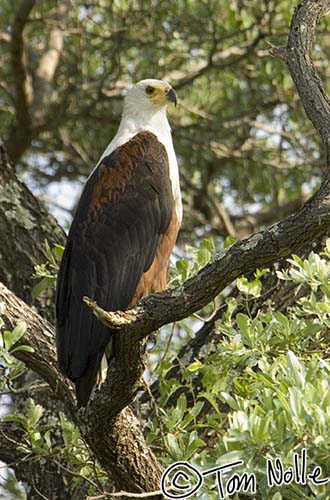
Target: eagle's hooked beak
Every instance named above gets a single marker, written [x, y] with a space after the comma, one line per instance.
[171, 96]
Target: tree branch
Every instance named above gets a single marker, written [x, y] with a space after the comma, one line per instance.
[297, 55]
[121, 449]
[21, 133]
[40, 336]
[219, 60]
[24, 226]
[43, 88]
[33, 90]
[260, 250]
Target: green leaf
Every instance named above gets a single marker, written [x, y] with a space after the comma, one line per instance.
[43, 285]
[10, 338]
[211, 399]
[173, 446]
[8, 358]
[243, 322]
[227, 398]
[259, 273]
[229, 241]
[23, 348]
[48, 440]
[232, 456]
[297, 369]
[196, 409]
[69, 431]
[182, 404]
[249, 287]
[35, 413]
[194, 444]
[14, 417]
[58, 251]
[195, 366]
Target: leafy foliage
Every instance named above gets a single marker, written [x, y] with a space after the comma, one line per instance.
[47, 272]
[198, 257]
[10, 367]
[267, 390]
[39, 441]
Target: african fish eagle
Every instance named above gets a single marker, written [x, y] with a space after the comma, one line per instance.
[122, 234]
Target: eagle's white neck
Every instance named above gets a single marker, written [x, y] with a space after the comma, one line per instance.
[132, 123]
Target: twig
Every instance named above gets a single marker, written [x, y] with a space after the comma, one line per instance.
[126, 494]
[168, 343]
[156, 411]
[39, 492]
[194, 111]
[75, 474]
[117, 319]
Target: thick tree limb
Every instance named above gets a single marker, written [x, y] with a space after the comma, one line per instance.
[40, 336]
[121, 449]
[264, 248]
[33, 90]
[297, 55]
[24, 226]
[23, 127]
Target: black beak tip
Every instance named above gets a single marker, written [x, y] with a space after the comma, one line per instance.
[172, 97]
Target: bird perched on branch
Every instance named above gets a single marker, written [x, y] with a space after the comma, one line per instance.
[123, 232]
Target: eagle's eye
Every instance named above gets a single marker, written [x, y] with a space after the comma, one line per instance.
[149, 90]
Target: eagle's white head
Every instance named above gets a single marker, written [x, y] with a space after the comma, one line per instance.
[149, 96]
[145, 109]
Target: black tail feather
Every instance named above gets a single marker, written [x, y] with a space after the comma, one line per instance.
[84, 384]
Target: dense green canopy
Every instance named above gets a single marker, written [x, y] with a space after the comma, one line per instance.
[240, 124]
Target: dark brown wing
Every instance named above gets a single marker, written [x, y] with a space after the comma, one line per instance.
[125, 207]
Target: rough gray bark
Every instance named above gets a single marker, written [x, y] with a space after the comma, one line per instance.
[24, 226]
